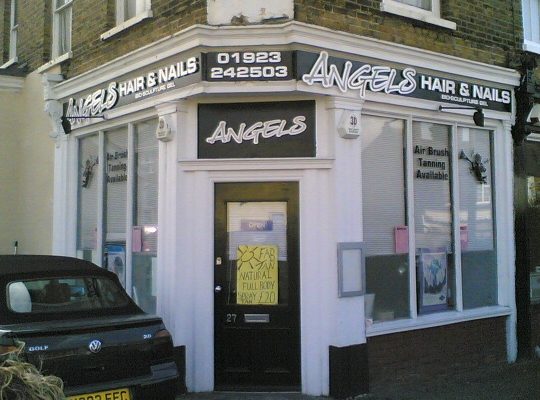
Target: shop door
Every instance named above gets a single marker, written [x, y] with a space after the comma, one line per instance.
[256, 288]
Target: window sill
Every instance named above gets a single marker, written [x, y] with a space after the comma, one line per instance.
[533, 47]
[436, 319]
[55, 61]
[9, 63]
[127, 24]
[410, 12]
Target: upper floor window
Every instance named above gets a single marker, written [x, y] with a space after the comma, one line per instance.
[14, 26]
[423, 4]
[531, 25]
[129, 13]
[128, 9]
[61, 43]
[428, 11]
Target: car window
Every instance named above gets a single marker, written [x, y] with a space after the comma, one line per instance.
[65, 294]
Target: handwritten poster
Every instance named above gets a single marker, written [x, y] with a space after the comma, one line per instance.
[257, 275]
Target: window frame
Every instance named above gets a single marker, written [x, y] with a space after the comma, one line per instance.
[458, 313]
[57, 33]
[432, 16]
[531, 26]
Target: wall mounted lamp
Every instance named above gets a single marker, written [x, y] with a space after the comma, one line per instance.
[478, 116]
[66, 123]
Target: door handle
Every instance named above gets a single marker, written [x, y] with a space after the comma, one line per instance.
[218, 289]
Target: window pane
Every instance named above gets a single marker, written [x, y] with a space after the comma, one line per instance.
[257, 268]
[130, 8]
[433, 216]
[64, 31]
[88, 197]
[424, 4]
[387, 269]
[145, 231]
[116, 184]
[65, 294]
[478, 254]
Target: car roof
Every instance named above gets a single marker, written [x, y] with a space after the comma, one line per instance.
[46, 264]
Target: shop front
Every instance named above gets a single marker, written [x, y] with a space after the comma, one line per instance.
[292, 209]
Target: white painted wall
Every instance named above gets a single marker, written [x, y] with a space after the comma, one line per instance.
[222, 12]
[26, 170]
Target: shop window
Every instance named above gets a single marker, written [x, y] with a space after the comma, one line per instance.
[61, 42]
[123, 236]
[145, 229]
[385, 217]
[477, 233]
[428, 11]
[87, 202]
[416, 189]
[531, 25]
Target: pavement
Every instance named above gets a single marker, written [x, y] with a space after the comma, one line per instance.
[517, 381]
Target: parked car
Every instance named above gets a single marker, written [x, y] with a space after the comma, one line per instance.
[78, 323]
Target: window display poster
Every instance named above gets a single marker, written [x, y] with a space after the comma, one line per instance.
[433, 279]
[116, 261]
[257, 274]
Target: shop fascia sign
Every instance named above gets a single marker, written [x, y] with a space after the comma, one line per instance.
[265, 65]
[155, 81]
[355, 76]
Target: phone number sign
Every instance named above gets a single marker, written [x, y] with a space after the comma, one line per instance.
[234, 66]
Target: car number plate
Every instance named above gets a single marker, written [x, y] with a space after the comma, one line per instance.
[116, 394]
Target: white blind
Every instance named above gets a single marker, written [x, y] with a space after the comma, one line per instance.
[383, 182]
[147, 173]
[116, 183]
[431, 160]
[146, 191]
[476, 207]
[88, 191]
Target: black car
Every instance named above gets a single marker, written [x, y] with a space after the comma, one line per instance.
[79, 324]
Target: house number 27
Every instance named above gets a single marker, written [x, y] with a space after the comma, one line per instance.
[231, 318]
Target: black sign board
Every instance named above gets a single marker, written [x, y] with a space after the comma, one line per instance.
[257, 65]
[351, 75]
[257, 130]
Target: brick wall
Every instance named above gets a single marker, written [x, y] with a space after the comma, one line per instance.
[4, 29]
[91, 19]
[487, 30]
[402, 357]
[33, 46]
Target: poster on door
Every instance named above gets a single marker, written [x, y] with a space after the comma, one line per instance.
[257, 275]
